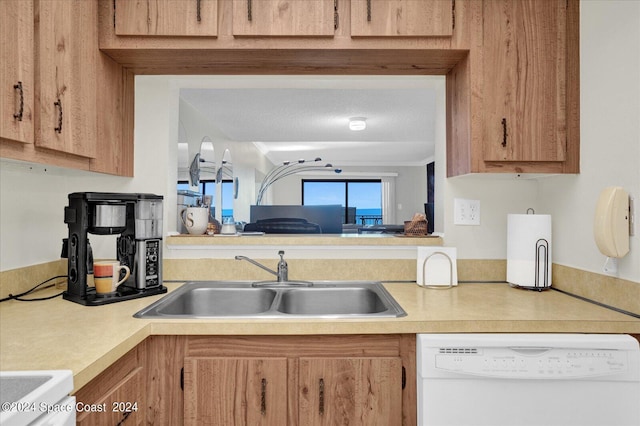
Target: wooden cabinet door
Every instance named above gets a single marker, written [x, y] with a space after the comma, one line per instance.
[353, 391]
[120, 404]
[68, 43]
[118, 392]
[235, 391]
[401, 18]
[16, 72]
[166, 17]
[283, 18]
[524, 48]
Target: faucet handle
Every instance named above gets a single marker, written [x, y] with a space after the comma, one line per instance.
[283, 268]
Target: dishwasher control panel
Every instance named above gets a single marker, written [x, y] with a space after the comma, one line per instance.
[531, 363]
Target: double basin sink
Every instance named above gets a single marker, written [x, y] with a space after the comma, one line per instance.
[238, 299]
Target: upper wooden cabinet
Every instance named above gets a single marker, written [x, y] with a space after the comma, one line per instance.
[512, 66]
[513, 102]
[16, 72]
[283, 18]
[524, 48]
[68, 36]
[401, 18]
[166, 17]
[74, 101]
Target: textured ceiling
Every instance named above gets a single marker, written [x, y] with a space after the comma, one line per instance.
[311, 119]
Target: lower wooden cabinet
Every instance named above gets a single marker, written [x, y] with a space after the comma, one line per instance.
[235, 391]
[117, 395]
[350, 391]
[281, 380]
[330, 391]
[356, 380]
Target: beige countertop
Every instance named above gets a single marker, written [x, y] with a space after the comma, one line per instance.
[57, 334]
[303, 240]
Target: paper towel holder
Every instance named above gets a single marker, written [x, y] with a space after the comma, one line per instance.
[542, 255]
[542, 245]
[529, 251]
[424, 271]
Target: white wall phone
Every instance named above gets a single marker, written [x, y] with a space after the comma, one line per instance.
[611, 225]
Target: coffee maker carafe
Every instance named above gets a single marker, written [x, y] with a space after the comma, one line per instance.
[137, 218]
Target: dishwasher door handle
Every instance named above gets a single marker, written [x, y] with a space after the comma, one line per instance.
[530, 350]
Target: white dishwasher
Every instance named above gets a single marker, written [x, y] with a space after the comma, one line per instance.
[528, 379]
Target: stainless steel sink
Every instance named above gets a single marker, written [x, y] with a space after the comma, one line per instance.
[203, 300]
[331, 301]
[239, 299]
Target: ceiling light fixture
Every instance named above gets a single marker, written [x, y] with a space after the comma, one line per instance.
[357, 123]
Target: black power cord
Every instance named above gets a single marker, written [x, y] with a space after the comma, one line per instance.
[19, 296]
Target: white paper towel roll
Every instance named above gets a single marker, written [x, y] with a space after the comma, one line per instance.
[529, 250]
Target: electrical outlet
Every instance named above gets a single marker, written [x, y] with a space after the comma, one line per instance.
[610, 266]
[474, 212]
[466, 212]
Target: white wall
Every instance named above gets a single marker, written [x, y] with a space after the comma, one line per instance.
[32, 200]
[33, 197]
[499, 196]
[609, 133]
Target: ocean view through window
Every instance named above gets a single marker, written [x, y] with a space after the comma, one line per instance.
[361, 199]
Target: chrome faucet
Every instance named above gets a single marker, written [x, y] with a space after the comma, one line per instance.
[283, 268]
[282, 273]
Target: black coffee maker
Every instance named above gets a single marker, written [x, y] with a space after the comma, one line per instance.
[137, 218]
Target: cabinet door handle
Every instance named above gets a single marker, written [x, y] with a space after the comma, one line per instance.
[263, 397]
[18, 116]
[249, 11]
[404, 377]
[368, 10]
[504, 132]
[198, 16]
[321, 403]
[58, 105]
[124, 418]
